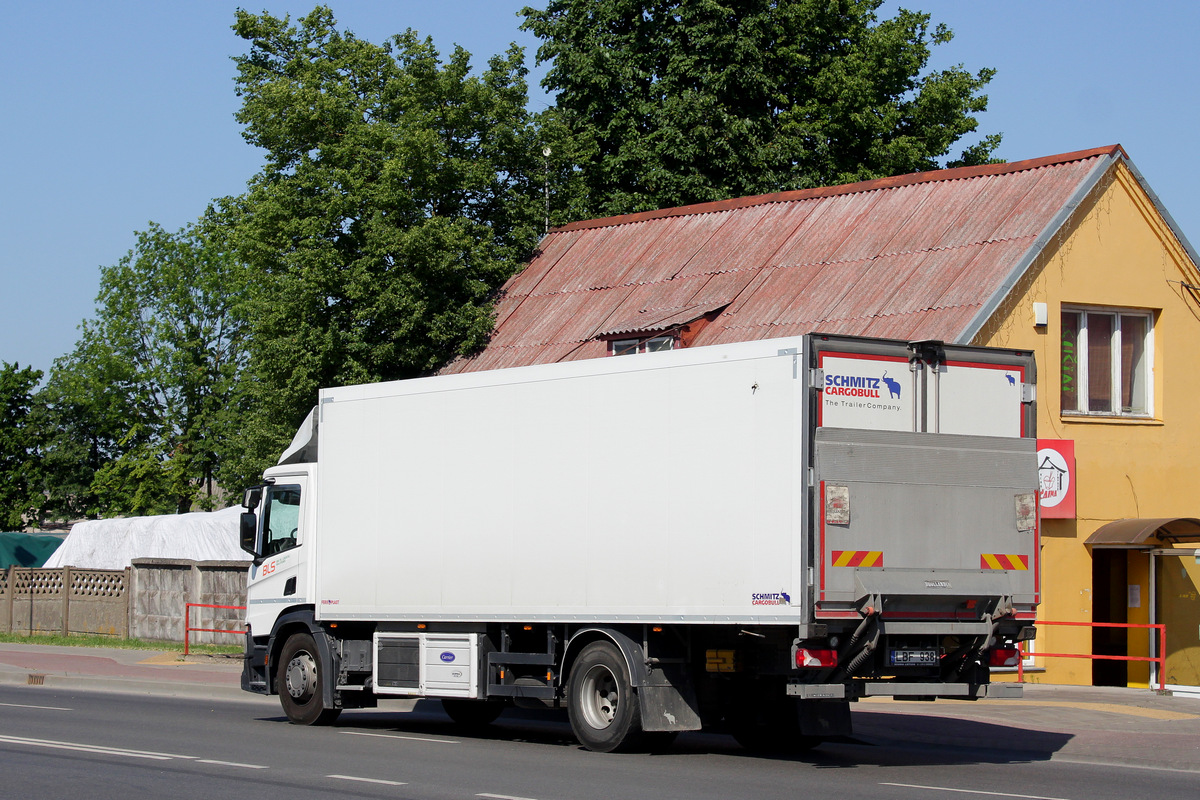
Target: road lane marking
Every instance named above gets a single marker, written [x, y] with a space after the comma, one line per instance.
[397, 736]
[98, 749]
[972, 791]
[90, 748]
[503, 796]
[366, 780]
[40, 708]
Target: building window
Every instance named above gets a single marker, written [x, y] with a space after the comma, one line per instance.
[1106, 358]
[655, 344]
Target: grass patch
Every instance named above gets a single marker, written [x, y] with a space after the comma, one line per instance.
[120, 644]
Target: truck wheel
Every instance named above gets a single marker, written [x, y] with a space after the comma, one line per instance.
[299, 682]
[603, 709]
[472, 713]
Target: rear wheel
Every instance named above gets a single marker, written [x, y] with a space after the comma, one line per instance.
[603, 709]
[299, 682]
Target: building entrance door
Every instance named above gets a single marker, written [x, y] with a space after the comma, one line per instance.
[1178, 601]
[1109, 574]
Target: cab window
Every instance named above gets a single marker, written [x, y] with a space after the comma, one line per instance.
[282, 519]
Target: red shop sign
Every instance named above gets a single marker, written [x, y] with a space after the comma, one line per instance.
[1056, 478]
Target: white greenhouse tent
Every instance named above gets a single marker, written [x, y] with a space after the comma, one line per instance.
[114, 543]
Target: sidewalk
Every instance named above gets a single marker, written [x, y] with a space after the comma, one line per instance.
[1089, 724]
[133, 671]
[1136, 727]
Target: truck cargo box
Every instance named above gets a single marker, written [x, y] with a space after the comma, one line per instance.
[692, 485]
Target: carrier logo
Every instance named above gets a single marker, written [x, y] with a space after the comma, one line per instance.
[447, 657]
[861, 386]
[771, 599]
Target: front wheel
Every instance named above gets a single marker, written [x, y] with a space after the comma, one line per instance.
[299, 682]
[601, 704]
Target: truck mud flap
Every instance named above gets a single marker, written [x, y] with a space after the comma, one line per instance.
[668, 701]
[254, 666]
[824, 718]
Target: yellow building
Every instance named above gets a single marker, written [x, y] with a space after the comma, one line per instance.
[1069, 256]
[1117, 261]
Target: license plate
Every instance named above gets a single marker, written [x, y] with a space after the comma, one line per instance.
[921, 658]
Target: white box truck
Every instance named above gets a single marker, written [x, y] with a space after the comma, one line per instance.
[741, 537]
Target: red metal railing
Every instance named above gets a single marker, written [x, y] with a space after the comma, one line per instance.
[187, 622]
[1160, 659]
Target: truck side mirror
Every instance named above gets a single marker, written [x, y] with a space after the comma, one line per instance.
[251, 498]
[249, 533]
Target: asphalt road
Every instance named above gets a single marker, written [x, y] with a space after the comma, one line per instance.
[98, 745]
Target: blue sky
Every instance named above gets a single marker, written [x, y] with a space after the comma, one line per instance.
[119, 113]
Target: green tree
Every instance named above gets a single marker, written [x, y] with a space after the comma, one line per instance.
[143, 406]
[21, 498]
[682, 101]
[399, 192]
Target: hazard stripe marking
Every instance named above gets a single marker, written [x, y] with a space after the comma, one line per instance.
[1003, 561]
[857, 558]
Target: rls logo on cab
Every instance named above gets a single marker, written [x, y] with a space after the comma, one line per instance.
[859, 386]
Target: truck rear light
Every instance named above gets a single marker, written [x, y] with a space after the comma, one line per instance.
[1004, 657]
[812, 657]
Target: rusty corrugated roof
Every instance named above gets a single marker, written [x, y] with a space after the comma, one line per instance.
[922, 256]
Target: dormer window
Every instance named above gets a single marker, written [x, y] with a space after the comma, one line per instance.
[628, 347]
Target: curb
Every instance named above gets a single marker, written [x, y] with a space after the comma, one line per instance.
[13, 675]
[130, 686]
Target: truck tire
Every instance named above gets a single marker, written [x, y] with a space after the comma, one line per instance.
[472, 713]
[603, 709]
[299, 680]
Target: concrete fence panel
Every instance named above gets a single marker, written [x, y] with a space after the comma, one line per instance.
[164, 587]
[97, 602]
[65, 601]
[144, 601]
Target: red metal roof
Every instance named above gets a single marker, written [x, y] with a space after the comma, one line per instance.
[922, 256]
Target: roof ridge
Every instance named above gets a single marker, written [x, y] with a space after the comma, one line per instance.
[892, 182]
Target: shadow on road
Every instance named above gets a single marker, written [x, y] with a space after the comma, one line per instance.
[880, 739]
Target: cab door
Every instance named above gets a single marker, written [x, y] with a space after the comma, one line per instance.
[280, 579]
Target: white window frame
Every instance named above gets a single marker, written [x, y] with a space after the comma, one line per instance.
[621, 347]
[1082, 377]
[652, 344]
